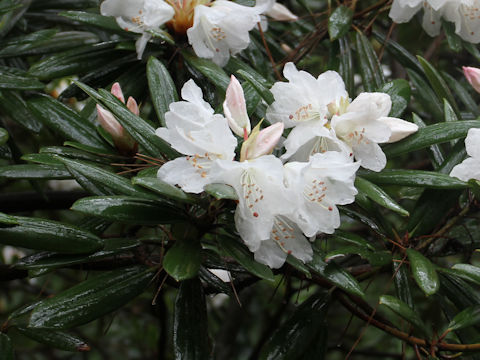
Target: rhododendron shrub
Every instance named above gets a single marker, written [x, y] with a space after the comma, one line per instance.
[239, 179]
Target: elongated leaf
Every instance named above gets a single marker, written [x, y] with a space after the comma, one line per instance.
[403, 310]
[379, 196]
[162, 188]
[90, 299]
[129, 210]
[438, 84]
[353, 239]
[263, 91]
[55, 339]
[469, 272]
[105, 22]
[423, 272]
[370, 68]
[432, 134]
[65, 121]
[3, 136]
[345, 68]
[462, 93]
[16, 82]
[34, 172]
[233, 248]
[13, 105]
[49, 235]
[162, 88]
[402, 283]
[468, 317]
[339, 22]
[182, 261]
[427, 179]
[6, 348]
[106, 180]
[303, 336]
[209, 69]
[424, 95]
[190, 333]
[435, 151]
[336, 275]
[221, 191]
[375, 258]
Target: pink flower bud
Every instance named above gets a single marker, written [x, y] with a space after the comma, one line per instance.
[109, 123]
[117, 91]
[133, 106]
[261, 142]
[280, 13]
[235, 109]
[473, 76]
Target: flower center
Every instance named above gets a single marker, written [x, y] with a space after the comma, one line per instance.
[315, 191]
[252, 193]
[202, 164]
[282, 231]
[184, 12]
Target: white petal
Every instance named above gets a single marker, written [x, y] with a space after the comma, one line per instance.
[468, 169]
[375, 104]
[472, 143]
[400, 128]
[141, 44]
[270, 254]
[186, 174]
[280, 12]
[402, 11]
[370, 155]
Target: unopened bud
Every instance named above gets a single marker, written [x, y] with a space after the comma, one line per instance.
[280, 12]
[473, 76]
[117, 92]
[261, 142]
[235, 109]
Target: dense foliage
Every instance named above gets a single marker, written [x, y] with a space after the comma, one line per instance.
[100, 258]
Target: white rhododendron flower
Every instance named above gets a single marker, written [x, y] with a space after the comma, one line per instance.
[324, 120]
[194, 130]
[466, 16]
[138, 16]
[319, 185]
[470, 167]
[221, 29]
[261, 195]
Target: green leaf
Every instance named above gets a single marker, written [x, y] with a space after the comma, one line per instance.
[162, 188]
[379, 196]
[429, 135]
[90, 299]
[467, 317]
[438, 84]
[210, 70]
[132, 210]
[400, 92]
[17, 82]
[339, 22]
[468, 272]
[336, 275]
[353, 239]
[183, 259]
[462, 93]
[49, 235]
[303, 336]
[162, 88]
[425, 96]
[105, 181]
[435, 151]
[404, 311]
[262, 90]
[299, 265]
[416, 178]
[221, 191]
[65, 121]
[13, 105]
[402, 282]
[375, 258]
[138, 128]
[190, 331]
[346, 64]
[55, 339]
[368, 64]
[234, 249]
[454, 41]
[73, 62]
[104, 22]
[6, 348]
[3, 136]
[29, 171]
[423, 272]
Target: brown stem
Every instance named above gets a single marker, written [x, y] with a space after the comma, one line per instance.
[269, 54]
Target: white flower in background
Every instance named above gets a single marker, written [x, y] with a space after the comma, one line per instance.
[194, 130]
[280, 12]
[403, 10]
[319, 185]
[138, 16]
[470, 167]
[221, 29]
[11, 254]
[466, 16]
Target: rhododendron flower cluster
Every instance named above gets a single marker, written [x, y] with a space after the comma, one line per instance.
[464, 13]
[215, 29]
[282, 201]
